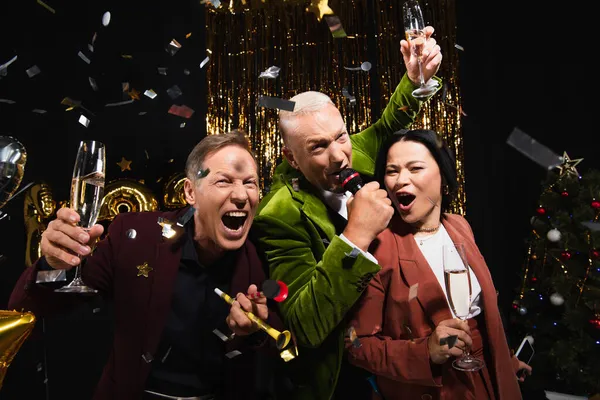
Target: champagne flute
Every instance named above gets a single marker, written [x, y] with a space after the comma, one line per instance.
[87, 190]
[458, 290]
[414, 26]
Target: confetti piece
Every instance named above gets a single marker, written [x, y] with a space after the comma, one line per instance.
[94, 37]
[221, 335]
[174, 92]
[127, 56]
[335, 26]
[162, 70]
[142, 113]
[38, 111]
[181, 111]
[125, 86]
[84, 121]
[203, 173]
[182, 125]
[209, 51]
[532, 149]
[90, 48]
[106, 18]
[4, 66]
[233, 353]
[67, 101]
[347, 95]
[187, 36]
[93, 83]
[150, 93]
[33, 71]
[366, 66]
[119, 103]
[351, 334]
[186, 71]
[412, 292]
[459, 47]
[83, 57]
[214, 3]
[7, 101]
[270, 73]
[173, 47]
[592, 226]
[134, 94]
[276, 103]
[204, 62]
[403, 108]
[46, 6]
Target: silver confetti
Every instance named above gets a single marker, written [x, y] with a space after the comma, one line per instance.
[174, 92]
[233, 353]
[186, 71]
[204, 62]
[131, 233]
[459, 47]
[83, 57]
[270, 73]
[150, 93]
[534, 150]
[96, 310]
[366, 66]
[39, 111]
[182, 125]
[119, 103]
[83, 120]
[93, 83]
[347, 95]
[162, 70]
[90, 48]
[7, 101]
[4, 66]
[173, 47]
[33, 71]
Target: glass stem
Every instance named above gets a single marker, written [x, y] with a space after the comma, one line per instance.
[421, 77]
[78, 269]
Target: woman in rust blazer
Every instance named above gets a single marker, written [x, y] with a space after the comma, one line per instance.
[405, 313]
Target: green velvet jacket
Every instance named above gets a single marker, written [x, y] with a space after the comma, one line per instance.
[325, 277]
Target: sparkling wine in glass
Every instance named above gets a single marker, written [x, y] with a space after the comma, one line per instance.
[414, 26]
[457, 278]
[87, 191]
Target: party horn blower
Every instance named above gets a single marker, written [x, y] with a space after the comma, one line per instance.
[272, 290]
[281, 338]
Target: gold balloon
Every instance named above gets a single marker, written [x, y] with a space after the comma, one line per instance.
[174, 196]
[12, 166]
[15, 327]
[39, 205]
[126, 195]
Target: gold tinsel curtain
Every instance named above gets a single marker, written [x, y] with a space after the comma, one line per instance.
[245, 38]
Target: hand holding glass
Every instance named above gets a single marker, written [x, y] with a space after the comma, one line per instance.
[87, 191]
[414, 26]
[458, 289]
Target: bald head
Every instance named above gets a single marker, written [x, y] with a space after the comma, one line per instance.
[306, 103]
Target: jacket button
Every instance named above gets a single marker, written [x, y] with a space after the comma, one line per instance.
[147, 357]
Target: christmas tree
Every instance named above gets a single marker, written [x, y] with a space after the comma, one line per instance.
[558, 301]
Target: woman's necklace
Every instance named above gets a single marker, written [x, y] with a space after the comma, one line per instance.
[427, 230]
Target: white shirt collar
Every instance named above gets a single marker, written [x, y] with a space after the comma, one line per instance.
[337, 201]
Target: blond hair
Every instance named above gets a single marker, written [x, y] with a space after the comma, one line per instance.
[306, 103]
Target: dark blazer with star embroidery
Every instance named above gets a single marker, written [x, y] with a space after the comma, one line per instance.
[143, 304]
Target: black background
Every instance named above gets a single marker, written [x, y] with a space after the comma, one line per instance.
[517, 70]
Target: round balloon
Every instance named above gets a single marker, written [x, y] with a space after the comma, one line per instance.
[174, 197]
[12, 166]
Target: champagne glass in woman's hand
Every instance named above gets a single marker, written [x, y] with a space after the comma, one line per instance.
[458, 289]
[87, 190]
[414, 27]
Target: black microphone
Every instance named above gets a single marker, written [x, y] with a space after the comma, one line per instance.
[350, 180]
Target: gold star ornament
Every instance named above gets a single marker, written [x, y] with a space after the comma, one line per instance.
[568, 166]
[320, 8]
[124, 164]
[144, 269]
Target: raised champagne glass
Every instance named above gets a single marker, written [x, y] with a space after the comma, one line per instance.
[414, 26]
[87, 190]
[457, 278]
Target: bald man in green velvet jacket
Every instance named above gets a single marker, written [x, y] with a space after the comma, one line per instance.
[315, 237]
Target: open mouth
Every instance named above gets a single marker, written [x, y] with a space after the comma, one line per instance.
[234, 220]
[405, 199]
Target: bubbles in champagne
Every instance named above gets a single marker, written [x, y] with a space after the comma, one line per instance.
[86, 197]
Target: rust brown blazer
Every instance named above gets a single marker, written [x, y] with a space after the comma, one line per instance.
[142, 303]
[386, 321]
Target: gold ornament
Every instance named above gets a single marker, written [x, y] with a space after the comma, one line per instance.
[126, 195]
[13, 157]
[124, 164]
[15, 327]
[174, 197]
[568, 166]
[320, 8]
[39, 205]
[144, 269]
